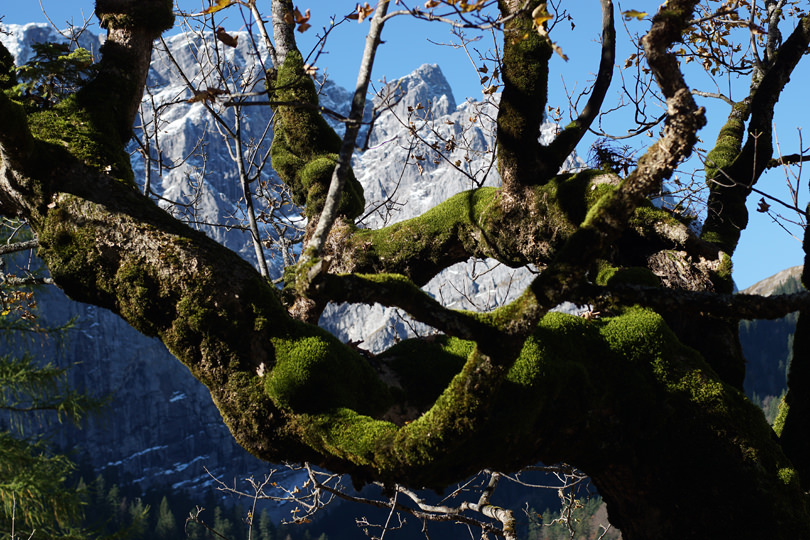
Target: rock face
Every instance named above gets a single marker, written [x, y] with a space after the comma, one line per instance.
[161, 427]
[768, 344]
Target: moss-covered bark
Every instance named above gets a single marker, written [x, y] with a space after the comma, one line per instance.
[670, 444]
[305, 149]
[741, 153]
[523, 102]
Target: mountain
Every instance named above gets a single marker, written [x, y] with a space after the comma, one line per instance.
[768, 344]
[161, 427]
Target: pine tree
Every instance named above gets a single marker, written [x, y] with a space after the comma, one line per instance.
[266, 530]
[139, 516]
[36, 491]
[166, 526]
[222, 524]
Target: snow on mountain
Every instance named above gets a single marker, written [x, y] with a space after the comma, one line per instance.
[19, 40]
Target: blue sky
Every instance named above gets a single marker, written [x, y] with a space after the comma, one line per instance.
[764, 249]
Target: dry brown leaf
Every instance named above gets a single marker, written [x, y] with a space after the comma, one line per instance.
[225, 37]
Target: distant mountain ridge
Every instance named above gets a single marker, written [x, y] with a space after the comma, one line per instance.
[768, 344]
[770, 284]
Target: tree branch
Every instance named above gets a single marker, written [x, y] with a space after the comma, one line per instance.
[395, 290]
[565, 142]
[314, 247]
[731, 176]
[19, 246]
[731, 306]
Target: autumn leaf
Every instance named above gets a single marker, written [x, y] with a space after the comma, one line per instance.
[361, 13]
[756, 29]
[310, 70]
[225, 37]
[301, 19]
[559, 51]
[633, 14]
[432, 4]
[209, 94]
[220, 4]
[540, 15]
[763, 207]
[491, 90]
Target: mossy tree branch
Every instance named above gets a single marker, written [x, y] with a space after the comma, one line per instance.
[793, 422]
[525, 86]
[660, 433]
[342, 170]
[396, 290]
[479, 223]
[733, 167]
[609, 217]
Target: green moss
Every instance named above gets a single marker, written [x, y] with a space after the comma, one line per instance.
[635, 275]
[69, 249]
[789, 476]
[349, 435]
[727, 146]
[315, 373]
[305, 149]
[426, 237]
[647, 213]
[70, 126]
[136, 290]
[781, 416]
[722, 278]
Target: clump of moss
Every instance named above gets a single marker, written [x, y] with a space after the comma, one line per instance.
[781, 416]
[71, 126]
[314, 373]
[305, 149]
[353, 436]
[608, 275]
[728, 144]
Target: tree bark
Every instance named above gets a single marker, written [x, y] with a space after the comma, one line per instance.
[670, 444]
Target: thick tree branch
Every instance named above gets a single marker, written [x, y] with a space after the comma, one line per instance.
[525, 77]
[481, 223]
[19, 246]
[609, 217]
[283, 30]
[793, 421]
[396, 290]
[566, 141]
[726, 306]
[731, 173]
